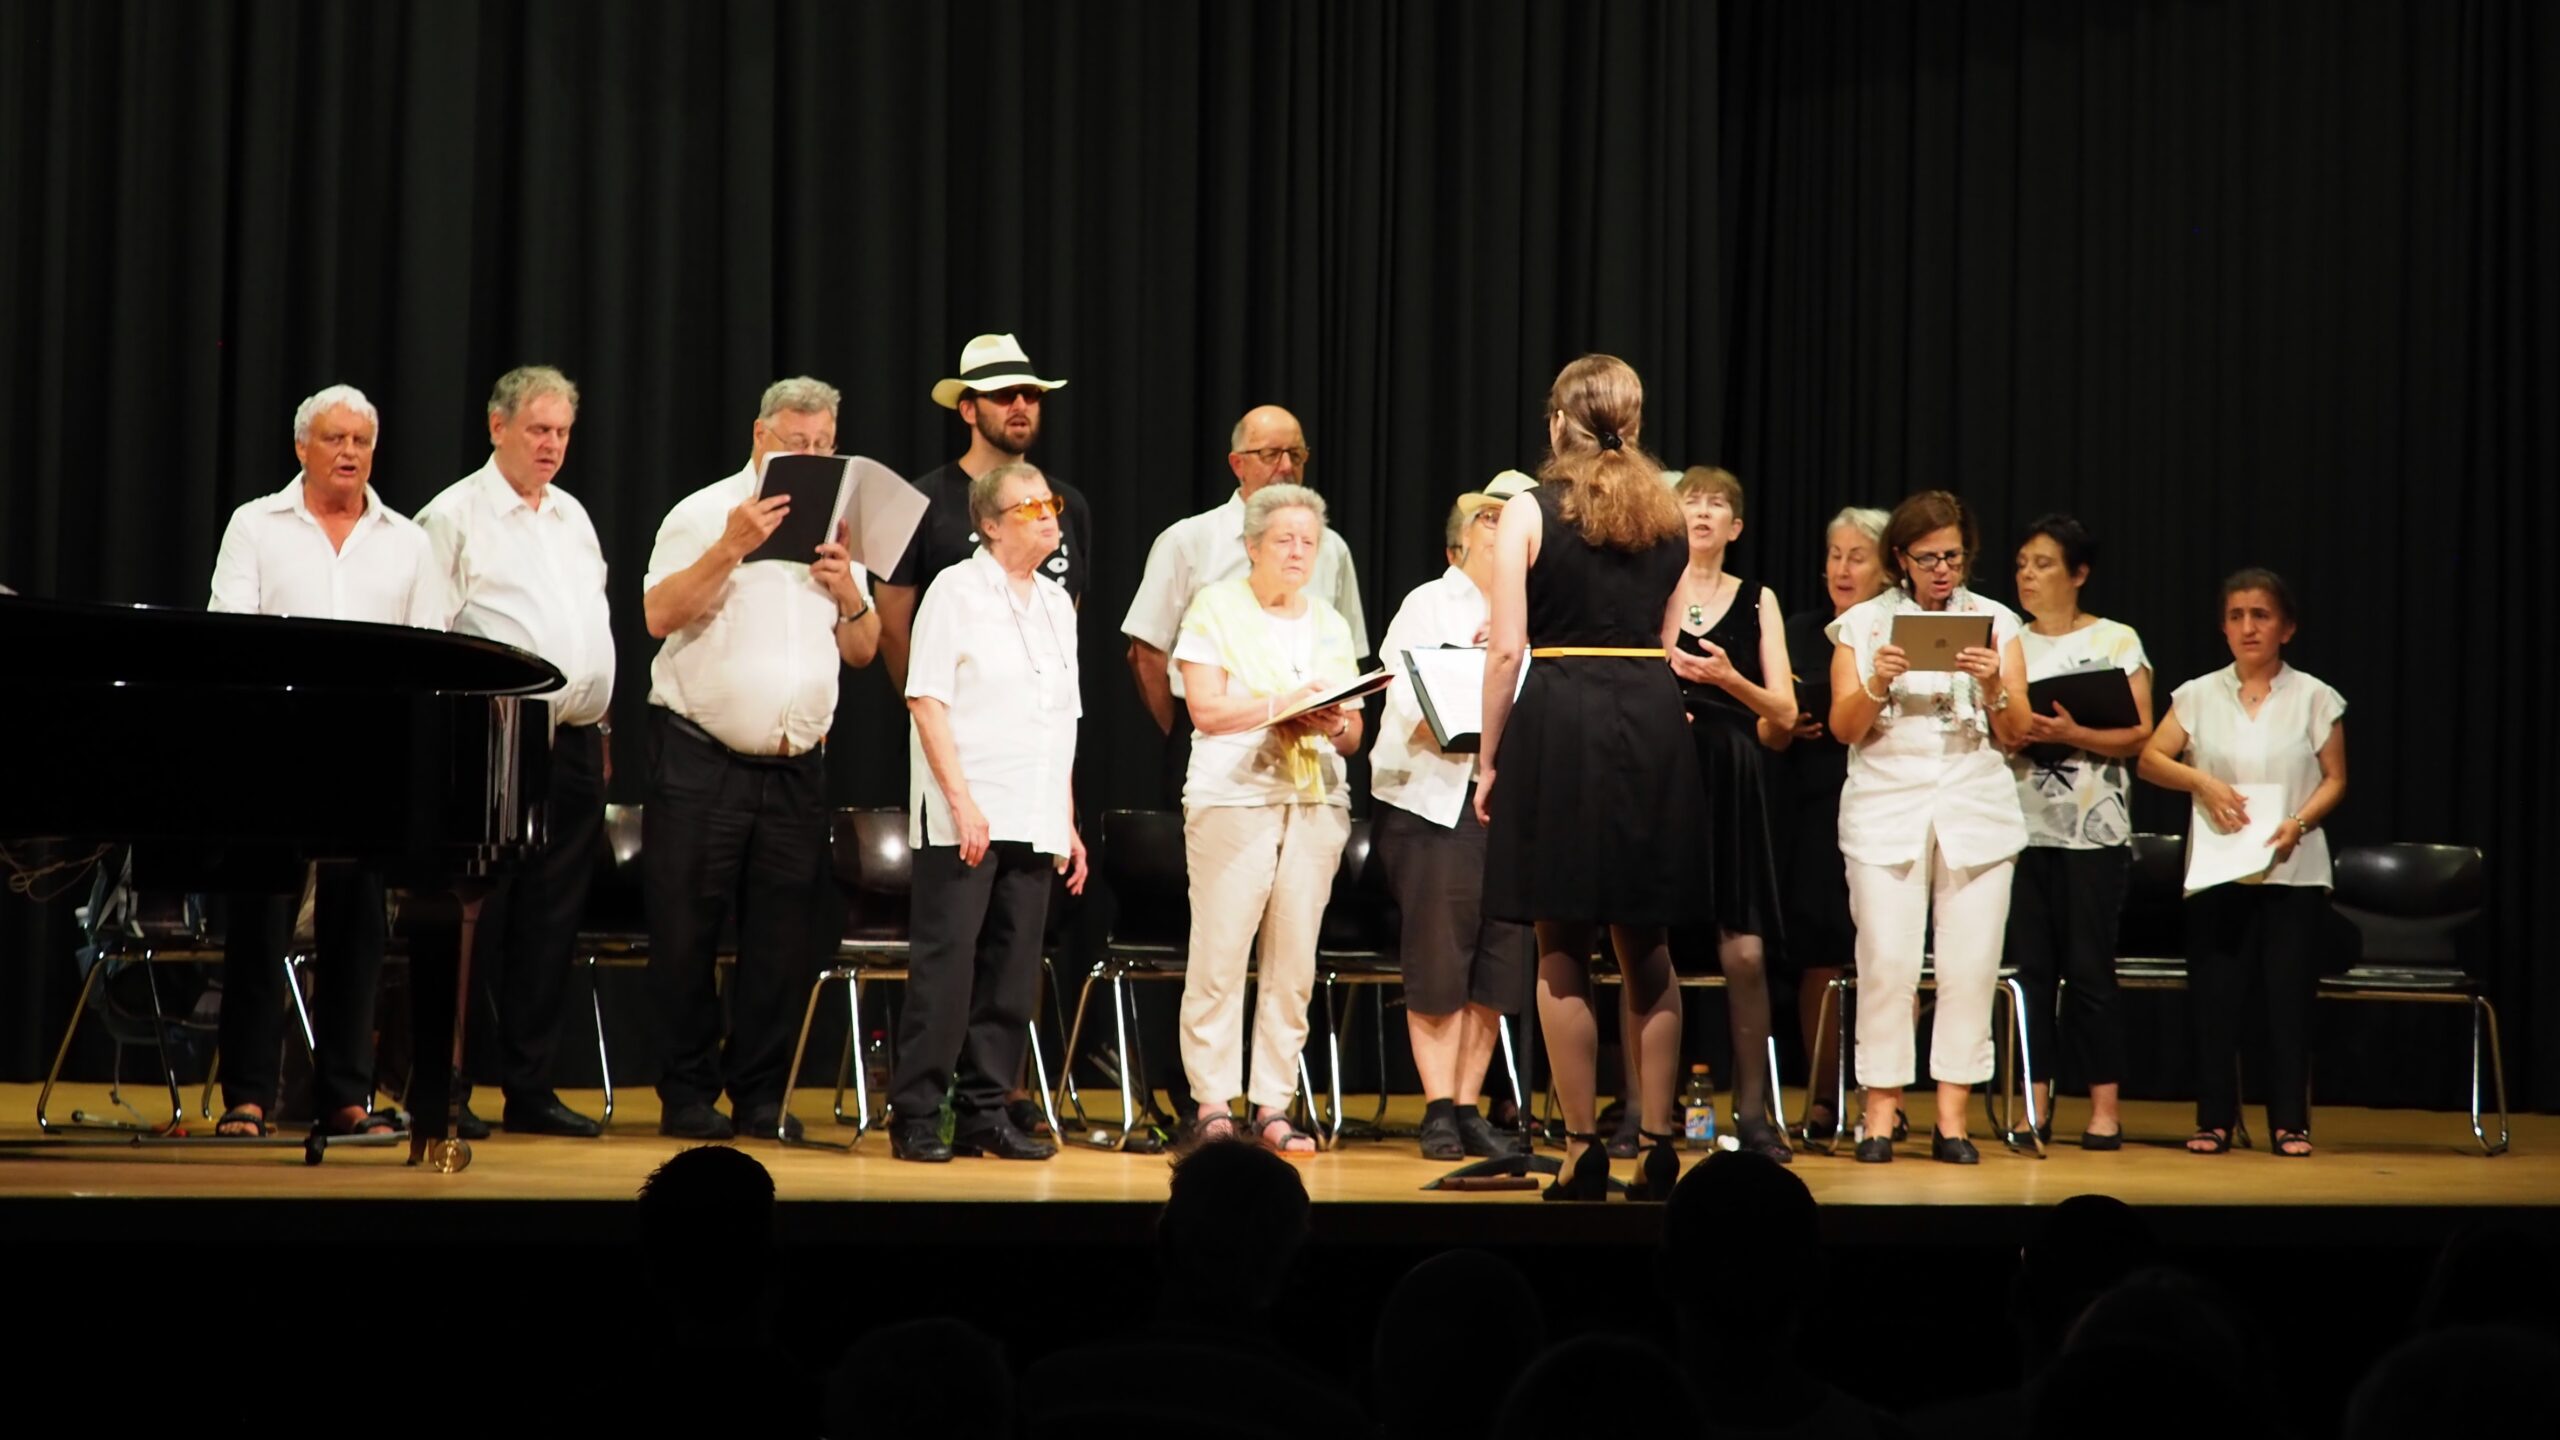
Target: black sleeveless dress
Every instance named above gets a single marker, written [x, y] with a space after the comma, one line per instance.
[1741, 870]
[1595, 811]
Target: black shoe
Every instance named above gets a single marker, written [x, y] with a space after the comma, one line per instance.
[1479, 1137]
[1440, 1138]
[1661, 1168]
[1953, 1150]
[1901, 1126]
[545, 1115]
[1875, 1150]
[1764, 1139]
[759, 1124]
[918, 1140]
[696, 1120]
[2092, 1140]
[999, 1140]
[1588, 1179]
[1030, 1119]
[467, 1126]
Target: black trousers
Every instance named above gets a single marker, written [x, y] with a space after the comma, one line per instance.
[2063, 909]
[723, 836]
[526, 942]
[2254, 947]
[973, 980]
[348, 933]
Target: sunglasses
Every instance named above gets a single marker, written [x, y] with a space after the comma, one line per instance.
[1003, 399]
[1039, 507]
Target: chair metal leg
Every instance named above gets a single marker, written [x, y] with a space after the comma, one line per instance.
[848, 1067]
[1120, 1002]
[2024, 1053]
[604, 1056]
[1067, 1058]
[1511, 1065]
[1066, 1063]
[1040, 1081]
[1835, 999]
[2482, 1012]
[293, 968]
[212, 1072]
[62, 1052]
[1378, 1115]
[1331, 1126]
[1306, 1100]
[800, 1053]
[1777, 1104]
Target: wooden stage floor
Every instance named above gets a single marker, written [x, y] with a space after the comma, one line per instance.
[2372, 1165]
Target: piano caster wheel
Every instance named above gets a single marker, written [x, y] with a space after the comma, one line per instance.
[448, 1156]
[315, 1148]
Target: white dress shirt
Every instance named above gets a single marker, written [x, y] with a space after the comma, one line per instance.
[1206, 548]
[1929, 761]
[2280, 746]
[2081, 801]
[276, 560]
[1409, 772]
[534, 579]
[1005, 666]
[757, 668]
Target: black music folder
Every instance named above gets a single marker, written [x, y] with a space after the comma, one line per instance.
[876, 504]
[2099, 698]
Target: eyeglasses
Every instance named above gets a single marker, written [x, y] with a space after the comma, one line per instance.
[1004, 399]
[1272, 456]
[1038, 507]
[1934, 559]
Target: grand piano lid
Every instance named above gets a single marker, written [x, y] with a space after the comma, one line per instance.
[76, 642]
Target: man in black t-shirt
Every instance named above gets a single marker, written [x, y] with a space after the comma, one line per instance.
[998, 396]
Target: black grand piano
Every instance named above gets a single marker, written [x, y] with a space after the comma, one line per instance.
[224, 746]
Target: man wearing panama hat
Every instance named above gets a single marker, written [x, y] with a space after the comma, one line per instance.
[998, 395]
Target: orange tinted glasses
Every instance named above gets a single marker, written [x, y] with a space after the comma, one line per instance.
[1038, 507]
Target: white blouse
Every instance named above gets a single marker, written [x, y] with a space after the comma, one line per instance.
[1414, 774]
[1195, 553]
[1006, 667]
[2279, 746]
[1929, 761]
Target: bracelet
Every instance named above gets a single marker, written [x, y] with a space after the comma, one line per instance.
[1870, 694]
[2307, 826]
[856, 615]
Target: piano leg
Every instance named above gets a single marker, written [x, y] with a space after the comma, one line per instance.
[441, 934]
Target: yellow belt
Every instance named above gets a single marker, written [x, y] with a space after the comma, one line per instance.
[1557, 652]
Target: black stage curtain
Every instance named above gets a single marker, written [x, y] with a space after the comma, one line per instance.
[2238, 283]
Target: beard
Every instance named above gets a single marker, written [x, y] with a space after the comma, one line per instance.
[991, 425]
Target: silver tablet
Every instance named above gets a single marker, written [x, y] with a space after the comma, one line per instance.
[1932, 641]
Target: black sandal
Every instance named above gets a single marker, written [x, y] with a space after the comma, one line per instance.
[1589, 1177]
[378, 1122]
[1764, 1139]
[2216, 1138]
[242, 1115]
[2293, 1137]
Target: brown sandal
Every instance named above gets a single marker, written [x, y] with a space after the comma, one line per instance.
[1264, 1125]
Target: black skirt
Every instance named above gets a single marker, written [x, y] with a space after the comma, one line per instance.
[1595, 799]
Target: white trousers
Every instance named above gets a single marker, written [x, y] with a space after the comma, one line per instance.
[1254, 868]
[1891, 904]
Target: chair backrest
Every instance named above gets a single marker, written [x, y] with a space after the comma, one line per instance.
[875, 870]
[1150, 882]
[1360, 915]
[617, 902]
[2153, 924]
[2408, 901]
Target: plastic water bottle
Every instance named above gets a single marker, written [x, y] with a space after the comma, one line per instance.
[1698, 1110]
[876, 1066]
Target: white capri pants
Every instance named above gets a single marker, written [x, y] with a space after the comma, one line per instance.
[1265, 868]
[1891, 904]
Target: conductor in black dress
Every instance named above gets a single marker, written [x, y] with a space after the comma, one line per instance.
[1572, 778]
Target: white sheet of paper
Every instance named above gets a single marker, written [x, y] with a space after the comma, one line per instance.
[2244, 855]
[883, 510]
[1454, 679]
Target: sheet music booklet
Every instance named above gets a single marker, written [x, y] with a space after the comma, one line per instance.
[878, 507]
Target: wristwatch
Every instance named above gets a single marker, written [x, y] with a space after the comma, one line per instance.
[2000, 701]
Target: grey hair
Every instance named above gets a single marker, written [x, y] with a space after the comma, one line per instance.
[1271, 500]
[1864, 519]
[984, 490]
[1235, 438]
[526, 383]
[328, 400]
[800, 393]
